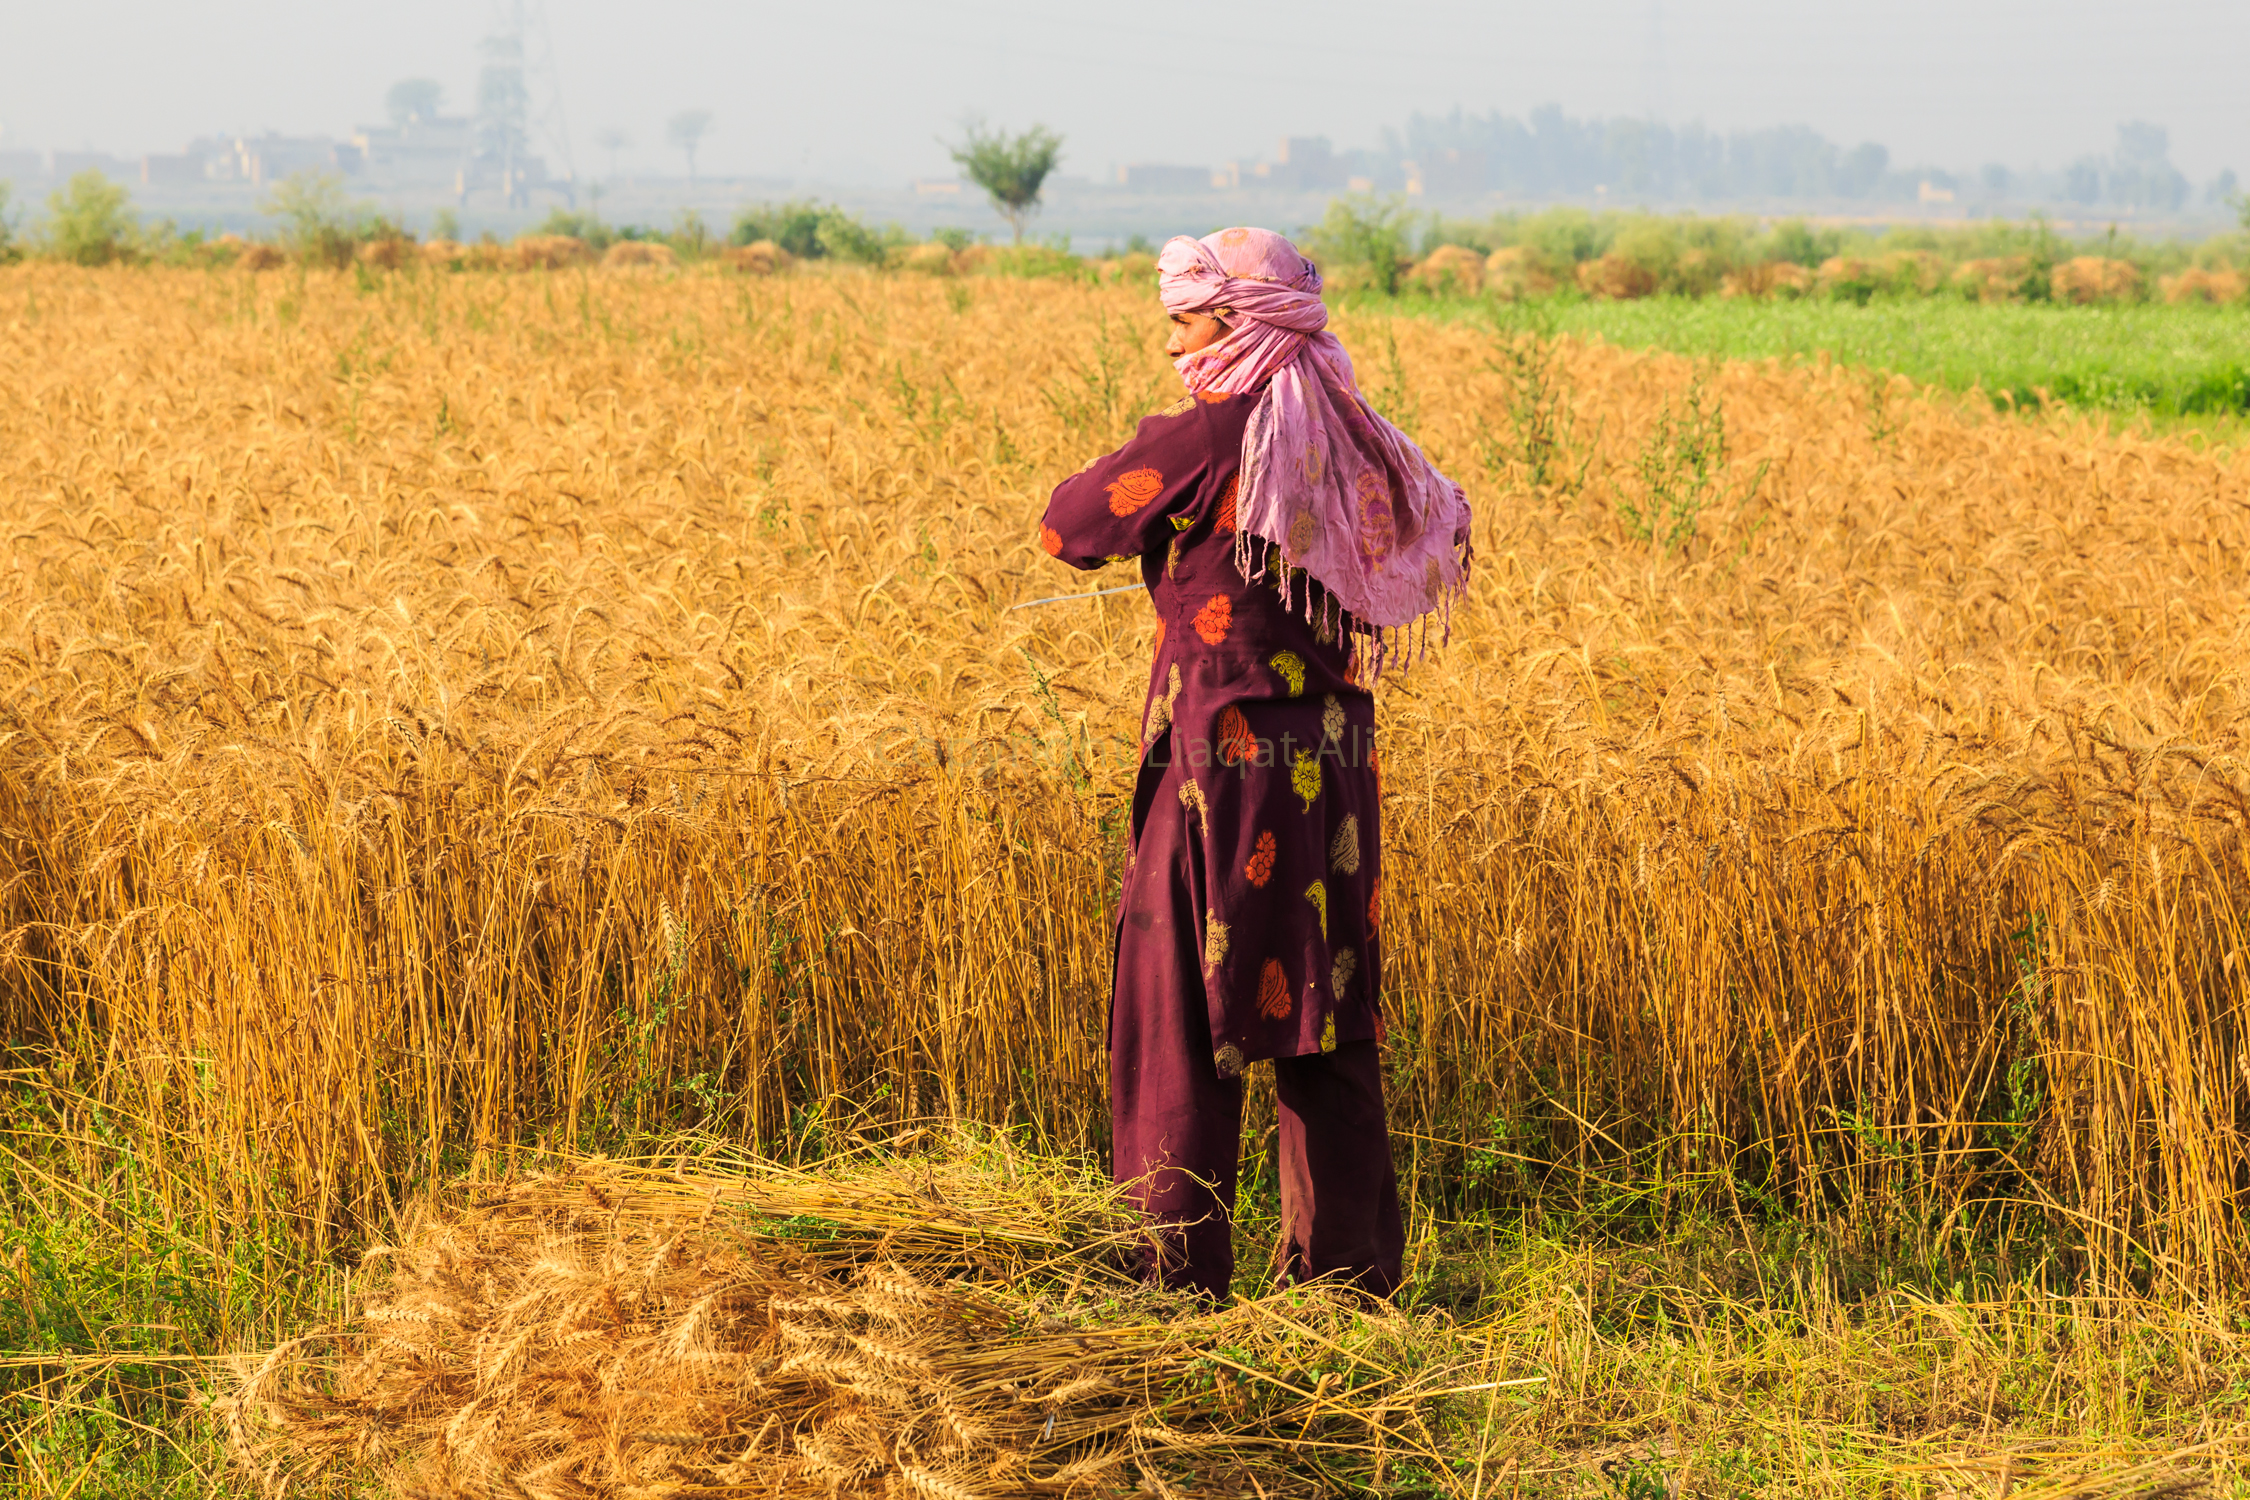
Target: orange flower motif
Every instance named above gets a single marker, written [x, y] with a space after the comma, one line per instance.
[1260, 868]
[1130, 491]
[1229, 514]
[1051, 539]
[1273, 991]
[1375, 907]
[1160, 634]
[1236, 743]
[1214, 619]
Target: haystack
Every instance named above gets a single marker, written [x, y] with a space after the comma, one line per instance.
[444, 254]
[256, 255]
[389, 253]
[1615, 277]
[2087, 279]
[957, 1325]
[1999, 278]
[759, 258]
[1773, 278]
[628, 254]
[2221, 284]
[931, 258]
[1518, 271]
[549, 252]
[1449, 269]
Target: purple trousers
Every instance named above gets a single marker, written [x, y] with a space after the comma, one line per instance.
[1176, 1132]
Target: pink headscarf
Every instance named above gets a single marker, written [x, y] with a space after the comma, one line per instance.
[1344, 495]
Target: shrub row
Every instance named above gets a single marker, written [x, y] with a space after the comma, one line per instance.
[1520, 271]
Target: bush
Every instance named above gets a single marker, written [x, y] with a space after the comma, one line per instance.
[88, 221]
[319, 225]
[813, 231]
[1366, 234]
[8, 251]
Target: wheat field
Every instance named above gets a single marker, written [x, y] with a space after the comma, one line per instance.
[445, 714]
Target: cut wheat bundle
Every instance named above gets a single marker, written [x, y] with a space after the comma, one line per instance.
[956, 1324]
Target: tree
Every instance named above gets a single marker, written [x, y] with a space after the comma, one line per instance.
[612, 140]
[413, 100]
[1010, 169]
[88, 221]
[319, 224]
[686, 131]
[1370, 232]
[2142, 144]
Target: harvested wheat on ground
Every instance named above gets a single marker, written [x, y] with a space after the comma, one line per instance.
[962, 1322]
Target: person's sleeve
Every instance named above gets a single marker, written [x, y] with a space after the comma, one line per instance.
[1133, 501]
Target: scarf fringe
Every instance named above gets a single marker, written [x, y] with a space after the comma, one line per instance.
[1410, 640]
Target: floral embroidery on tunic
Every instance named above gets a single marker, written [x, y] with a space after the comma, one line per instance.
[1343, 850]
[1229, 1058]
[1273, 991]
[1191, 798]
[1160, 708]
[1375, 907]
[1172, 560]
[1317, 894]
[1332, 720]
[1236, 743]
[1291, 666]
[1260, 868]
[1212, 620]
[1215, 941]
[1130, 491]
[1050, 540]
[1304, 778]
[1340, 971]
[1328, 1033]
[1230, 517]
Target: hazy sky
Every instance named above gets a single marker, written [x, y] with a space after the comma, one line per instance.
[856, 92]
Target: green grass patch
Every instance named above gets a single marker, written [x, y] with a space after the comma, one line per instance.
[2167, 363]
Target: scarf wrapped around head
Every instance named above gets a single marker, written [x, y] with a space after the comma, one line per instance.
[1343, 495]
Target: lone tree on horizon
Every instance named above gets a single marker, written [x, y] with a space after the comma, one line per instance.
[612, 139]
[686, 131]
[1010, 169]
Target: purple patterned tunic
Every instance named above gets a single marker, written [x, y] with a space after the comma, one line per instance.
[1255, 842]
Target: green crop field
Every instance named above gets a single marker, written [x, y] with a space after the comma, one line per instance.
[2185, 366]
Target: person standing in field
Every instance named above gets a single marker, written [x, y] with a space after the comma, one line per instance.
[1292, 541]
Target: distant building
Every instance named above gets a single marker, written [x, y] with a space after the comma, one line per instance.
[424, 151]
[16, 166]
[1448, 173]
[1153, 177]
[266, 159]
[1930, 192]
[176, 169]
[1306, 164]
[66, 164]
